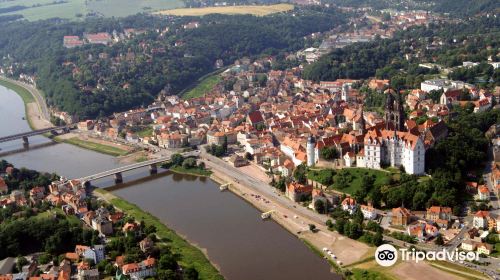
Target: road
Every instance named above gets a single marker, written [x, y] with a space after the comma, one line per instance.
[261, 187]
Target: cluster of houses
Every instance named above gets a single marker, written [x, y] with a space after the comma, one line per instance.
[70, 196]
[362, 32]
[284, 121]
[102, 38]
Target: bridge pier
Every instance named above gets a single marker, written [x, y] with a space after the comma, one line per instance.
[153, 169]
[118, 178]
[25, 141]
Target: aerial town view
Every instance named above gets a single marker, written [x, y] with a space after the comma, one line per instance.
[249, 140]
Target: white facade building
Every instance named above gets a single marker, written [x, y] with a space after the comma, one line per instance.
[394, 148]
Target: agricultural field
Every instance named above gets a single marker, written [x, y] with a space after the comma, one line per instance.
[122, 8]
[77, 9]
[262, 10]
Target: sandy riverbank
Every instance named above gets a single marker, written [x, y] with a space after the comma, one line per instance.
[347, 250]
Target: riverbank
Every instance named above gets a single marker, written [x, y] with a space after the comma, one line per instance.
[94, 146]
[354, 255]
[32, 103]
[189, 254]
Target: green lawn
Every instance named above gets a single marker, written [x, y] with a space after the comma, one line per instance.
[109, 150]
[356, 174]
[147, 131]
[189, 255]
[24, 93]
[203, 87]
[191, 171]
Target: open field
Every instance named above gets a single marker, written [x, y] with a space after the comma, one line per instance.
[77, 9]
[262, 10]
[121, 8]
[189, 255]
[101, 148]
[458, 270]
[203, 87]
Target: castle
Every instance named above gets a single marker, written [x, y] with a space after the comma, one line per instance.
[378, 147]
[393, 145]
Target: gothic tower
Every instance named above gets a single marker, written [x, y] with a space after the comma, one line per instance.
[394, 111]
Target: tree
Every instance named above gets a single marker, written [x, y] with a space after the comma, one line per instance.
[20, 262]
[319, 206]
[329, 153]
[312, 227]
[189, 163]
[300, 174]
[439, 240]
[177, 159]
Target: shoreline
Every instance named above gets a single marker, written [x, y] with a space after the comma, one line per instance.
[305, 238]
[192, 254]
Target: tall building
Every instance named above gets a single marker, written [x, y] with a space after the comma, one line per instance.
[311, 155]
[394, 112]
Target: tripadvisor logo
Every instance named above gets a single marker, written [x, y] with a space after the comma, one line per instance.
[387, 255]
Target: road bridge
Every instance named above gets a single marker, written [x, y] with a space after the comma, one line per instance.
[117, 172]
[25, 135]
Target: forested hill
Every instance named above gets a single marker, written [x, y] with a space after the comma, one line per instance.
[398, 58]
[96, 80]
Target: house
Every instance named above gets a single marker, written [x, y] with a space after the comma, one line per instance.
[484, 248]
[369, 212]
[449, 97]
[400, 216]
[298, 192]
[349, 205]
[480, 219]
[483, 192]
[255, 119]
[96, 253]
[422, 231]
[378, 85]
[142, 270]
[3, 186]
[435, 213]
[146, 245]
[238, 160]
[468, 245]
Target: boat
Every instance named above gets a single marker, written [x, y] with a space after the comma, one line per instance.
[224, 187]
[266, 215]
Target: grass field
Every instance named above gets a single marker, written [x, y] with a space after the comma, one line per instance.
[189, 255]
[262, 10]
[25, 94]
[203, 87]
[109, 150]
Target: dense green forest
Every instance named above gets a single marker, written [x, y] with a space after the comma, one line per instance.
[447, 44]
[136, 70]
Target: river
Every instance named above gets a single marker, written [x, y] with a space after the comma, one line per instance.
[232, 232]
